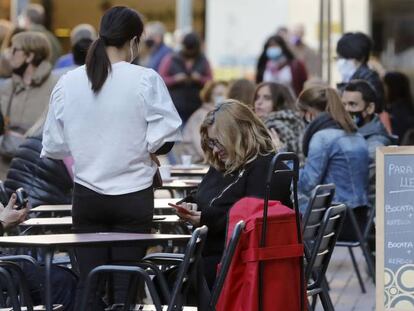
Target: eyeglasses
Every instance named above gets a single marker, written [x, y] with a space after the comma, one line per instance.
[211, 143]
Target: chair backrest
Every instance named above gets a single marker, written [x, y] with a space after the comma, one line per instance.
[225, 263]
[291, 160]
[188, 268]
[324, 244]
[320, 201]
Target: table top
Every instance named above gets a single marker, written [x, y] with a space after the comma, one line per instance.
[181, 184]
[158, 204]
[67, 221]
[84, 239]
[192, 170]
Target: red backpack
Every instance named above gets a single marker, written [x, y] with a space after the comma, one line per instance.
[266, 268]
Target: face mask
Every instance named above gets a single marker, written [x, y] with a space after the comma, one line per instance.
[21, 69]
[274, 52]
[346, 68]
[357, 117]
[149, 43]
[218, 100]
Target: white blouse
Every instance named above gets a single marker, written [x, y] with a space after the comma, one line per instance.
[111, 135]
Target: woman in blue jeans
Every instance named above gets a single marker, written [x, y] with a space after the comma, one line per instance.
[335, 152]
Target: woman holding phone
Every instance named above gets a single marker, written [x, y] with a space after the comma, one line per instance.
[239, 149]
[111, 115]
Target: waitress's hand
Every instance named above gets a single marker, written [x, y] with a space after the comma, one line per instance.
[193, 216]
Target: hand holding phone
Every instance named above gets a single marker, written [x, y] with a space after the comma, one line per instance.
[180, 209]
[21, 198]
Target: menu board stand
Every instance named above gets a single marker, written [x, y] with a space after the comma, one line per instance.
[395, 228]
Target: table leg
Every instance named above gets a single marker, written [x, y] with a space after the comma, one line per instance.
[48, 282]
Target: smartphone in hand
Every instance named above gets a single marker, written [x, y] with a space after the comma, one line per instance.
[180, 209]
[21, 198]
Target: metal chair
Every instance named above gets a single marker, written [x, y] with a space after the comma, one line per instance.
[22, 295]
[361, 242]
[319, 251]
[187, 272]
[320, 201]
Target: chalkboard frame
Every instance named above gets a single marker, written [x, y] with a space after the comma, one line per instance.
[381, 153]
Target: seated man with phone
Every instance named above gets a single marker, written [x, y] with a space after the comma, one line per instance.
[63, 280]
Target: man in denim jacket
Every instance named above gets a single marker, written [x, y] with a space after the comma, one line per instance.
[360, 99]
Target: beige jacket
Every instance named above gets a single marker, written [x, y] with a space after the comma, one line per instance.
[191, 132]
[28, 101]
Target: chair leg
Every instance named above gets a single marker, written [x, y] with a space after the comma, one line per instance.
[368, 260]
[326, 301]
[314, 301]
[354, 263]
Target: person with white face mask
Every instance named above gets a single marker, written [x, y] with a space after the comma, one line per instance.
[353, 50]
[278, 64]
[212, 95]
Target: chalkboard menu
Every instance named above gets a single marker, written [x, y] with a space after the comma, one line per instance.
[395, 228]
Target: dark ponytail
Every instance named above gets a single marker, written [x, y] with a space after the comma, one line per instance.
[98, 64]
[118, 26]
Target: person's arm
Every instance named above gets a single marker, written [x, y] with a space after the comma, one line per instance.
[205, 76]
[316, 165]
[10, 217]
[54, 143]
[164, 69]
[163, 121]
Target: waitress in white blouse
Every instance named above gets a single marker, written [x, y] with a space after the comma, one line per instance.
[110, 116]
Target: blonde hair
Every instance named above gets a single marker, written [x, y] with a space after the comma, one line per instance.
[6, 29]
[327, 99]
[242, 134]
[33, 42]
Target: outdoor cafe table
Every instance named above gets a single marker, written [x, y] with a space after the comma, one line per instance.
[66, 209]
[66, 222]
[193, 170]
[49, 242]
[182, 186]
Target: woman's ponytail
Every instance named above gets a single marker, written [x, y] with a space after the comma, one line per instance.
[337, 111]
[98, 64]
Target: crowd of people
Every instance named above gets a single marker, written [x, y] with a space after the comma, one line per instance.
[84, 127]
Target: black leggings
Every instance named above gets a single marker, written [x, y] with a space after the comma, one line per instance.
[93, 212]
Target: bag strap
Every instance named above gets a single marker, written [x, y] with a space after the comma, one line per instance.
[272, 253]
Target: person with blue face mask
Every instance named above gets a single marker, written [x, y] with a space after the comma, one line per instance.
[278, 64]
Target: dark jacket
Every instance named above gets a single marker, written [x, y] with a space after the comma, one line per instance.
[402, 118]
[45, 180]
[376, 136]
[186, 94]
[217, 194]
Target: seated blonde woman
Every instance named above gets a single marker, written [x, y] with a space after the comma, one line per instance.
[213, 93]
[26, 94]
[238, 148]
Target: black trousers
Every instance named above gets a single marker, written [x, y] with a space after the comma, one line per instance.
[93, 212]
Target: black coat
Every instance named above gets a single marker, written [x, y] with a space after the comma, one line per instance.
[215, 186]
[46, 181]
